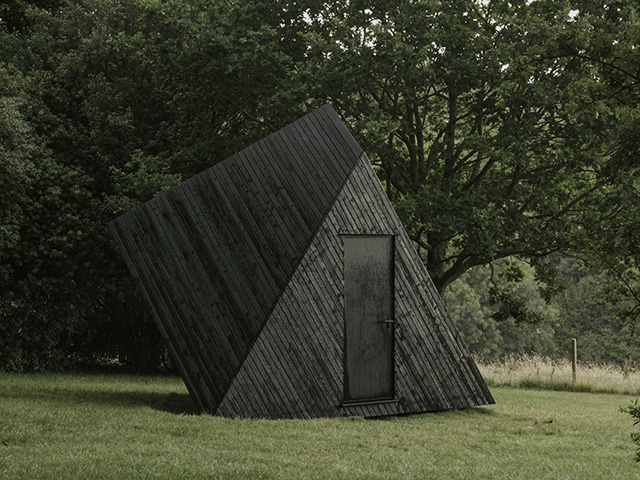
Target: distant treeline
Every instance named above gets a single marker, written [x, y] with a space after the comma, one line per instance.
[578, 311]
[500, 130]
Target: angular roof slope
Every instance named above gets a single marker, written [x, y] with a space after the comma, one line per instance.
[253, 243]
[259, 210]
[283, 376]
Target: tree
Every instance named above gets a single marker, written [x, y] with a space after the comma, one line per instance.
[487, 331]
[122, 99]
[467, 109]
[13, 13]
[609, 42]
[499, 129]
[77, 110]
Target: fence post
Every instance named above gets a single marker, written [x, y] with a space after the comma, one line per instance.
[575, 359]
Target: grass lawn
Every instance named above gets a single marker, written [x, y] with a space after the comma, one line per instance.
[121, 427]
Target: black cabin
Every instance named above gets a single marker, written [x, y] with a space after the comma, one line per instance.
[286, 287]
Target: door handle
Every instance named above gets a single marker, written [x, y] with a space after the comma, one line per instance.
[389, 321]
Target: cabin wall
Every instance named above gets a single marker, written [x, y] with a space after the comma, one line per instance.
[213, 255]
[242, 268]
[295, 368]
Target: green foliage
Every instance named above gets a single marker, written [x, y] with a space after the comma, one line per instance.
[492, 331]
[473, 319]
[144, 176]
[500, 130]
[13, 13]
[77, 105]
[634, 410]
[607, 37]
[489, 328]
[503, 295]
[468, 110]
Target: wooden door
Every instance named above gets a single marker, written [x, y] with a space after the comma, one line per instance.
[368, 349]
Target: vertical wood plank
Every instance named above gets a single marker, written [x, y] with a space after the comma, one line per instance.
[242, 267]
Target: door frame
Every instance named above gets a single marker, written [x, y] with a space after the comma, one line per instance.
[392, 300]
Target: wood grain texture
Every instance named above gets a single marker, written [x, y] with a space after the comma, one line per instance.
[214, 254]
[368, 317]
[242, 267]
[301, 346]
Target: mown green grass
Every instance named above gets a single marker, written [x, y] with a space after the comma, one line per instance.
[120, 427]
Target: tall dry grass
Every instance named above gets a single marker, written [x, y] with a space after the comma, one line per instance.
[534, 371]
